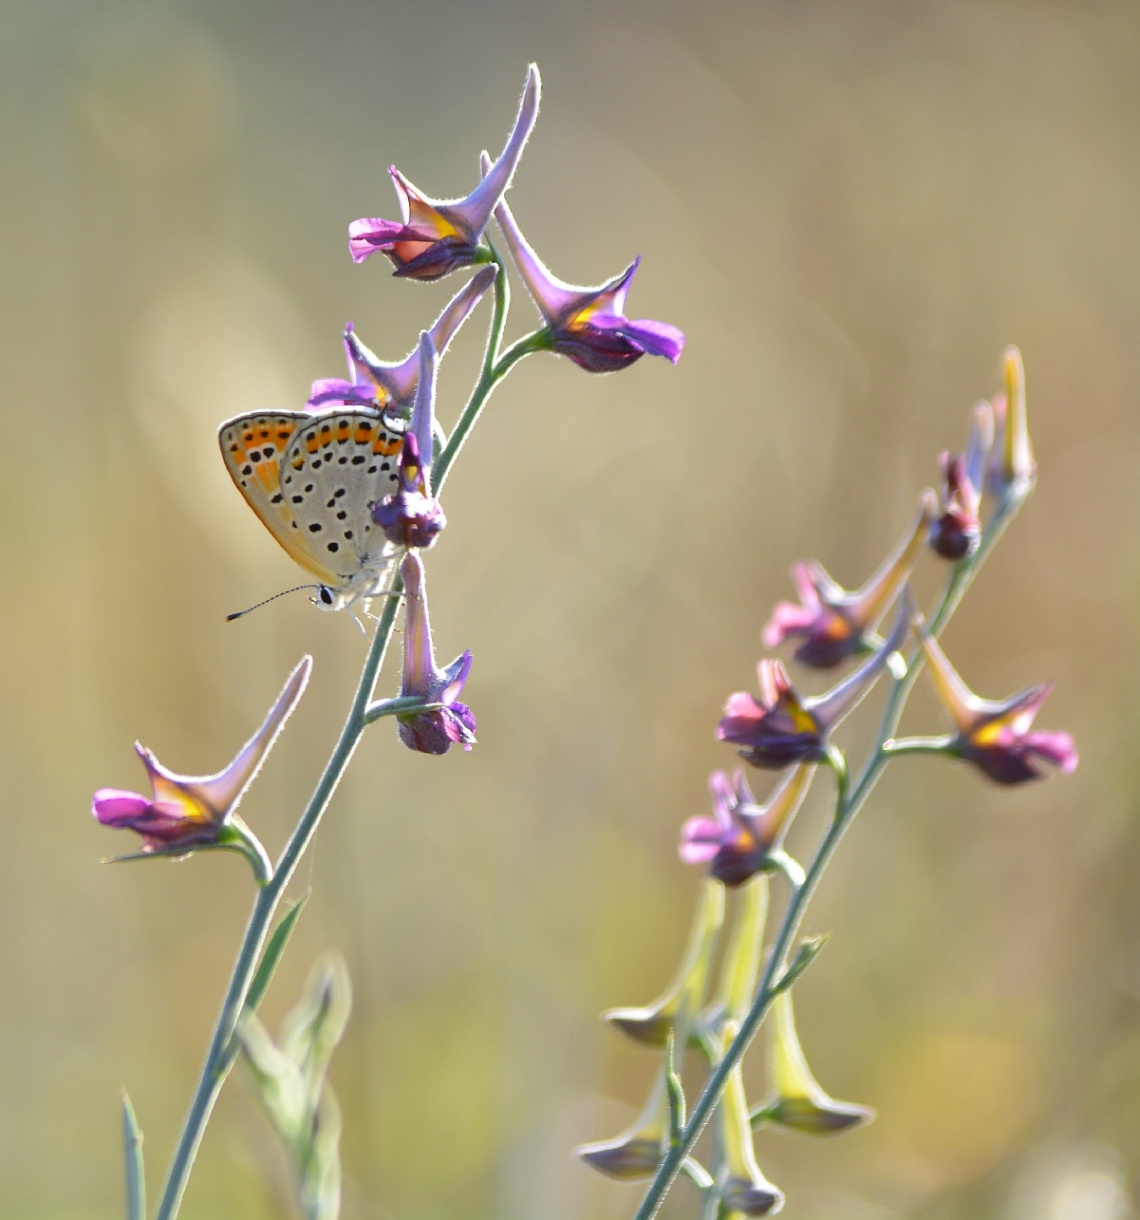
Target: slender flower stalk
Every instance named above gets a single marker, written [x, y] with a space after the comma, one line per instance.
[851, 794]
[220, 1054]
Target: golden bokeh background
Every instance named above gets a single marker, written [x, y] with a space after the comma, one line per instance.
[850, 206]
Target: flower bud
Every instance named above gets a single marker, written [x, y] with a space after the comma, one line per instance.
[637, 1152]
[744, 1190]
[652, 1023]
[956, 530]
[800, 1103]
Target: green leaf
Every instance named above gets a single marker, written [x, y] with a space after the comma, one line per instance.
[272, 956]
[676, 1093]
[132, 1149]
[805, 955]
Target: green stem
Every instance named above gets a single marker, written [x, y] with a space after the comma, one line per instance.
[847, 805]
[401, 705]
[219, 1060]
[917, 745]
[960, 580]
[218, 1063]
[495, 368]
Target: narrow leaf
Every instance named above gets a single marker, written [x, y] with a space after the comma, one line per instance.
[676, 1093]
[805, 955]
[272, 956]
[132, 1149]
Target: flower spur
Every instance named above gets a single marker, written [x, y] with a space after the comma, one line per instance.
[390, 386]
[438, 236]
[994, 735]
[187, 812]
[587, 324]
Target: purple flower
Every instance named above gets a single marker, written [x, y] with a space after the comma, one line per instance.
[832, 622]
[996, 736]
[391, 387]
[781, 728]
[588, 324]
[956, 530]
[187, 811]
[435, 731]
[412, 517]
[738, 839]
[437, 236]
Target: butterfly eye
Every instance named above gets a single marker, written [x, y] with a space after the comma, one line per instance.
[325, 595]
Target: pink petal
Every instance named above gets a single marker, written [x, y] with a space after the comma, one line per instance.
[787, 619]
[700, 840]
[117, 807]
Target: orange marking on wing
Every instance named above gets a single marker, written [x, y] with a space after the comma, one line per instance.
[311, 443]
[298, 462]
[385, 446]
[269, 476]
[363, 434]
[342, 430]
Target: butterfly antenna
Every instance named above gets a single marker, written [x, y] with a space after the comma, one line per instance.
[249, 609]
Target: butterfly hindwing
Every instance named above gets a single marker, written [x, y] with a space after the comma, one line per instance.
[334, 466]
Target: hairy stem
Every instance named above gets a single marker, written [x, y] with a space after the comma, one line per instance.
[219, 1060]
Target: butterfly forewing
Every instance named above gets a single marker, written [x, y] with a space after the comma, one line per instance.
[334, 466]
[253, 447]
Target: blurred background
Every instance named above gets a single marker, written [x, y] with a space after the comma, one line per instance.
[850, 207]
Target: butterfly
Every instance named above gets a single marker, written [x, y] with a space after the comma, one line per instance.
[311, 479]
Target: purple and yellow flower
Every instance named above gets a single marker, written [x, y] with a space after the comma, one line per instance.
[781, 727]
[412, 516]
[996, 736]
[391, 387]
[588, 324]
[184, 812]
[437, 236]
[833, 623]
[956, 529]
[738, 840]
[800, 1103]
[436, 730]
[744, 1190]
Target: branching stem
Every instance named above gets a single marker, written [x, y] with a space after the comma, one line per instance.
[848, 801]
[361, 713]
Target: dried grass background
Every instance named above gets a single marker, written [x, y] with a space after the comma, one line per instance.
[850, 206]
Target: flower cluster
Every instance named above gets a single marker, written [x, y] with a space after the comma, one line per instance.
[742, 843]
[380, 410]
